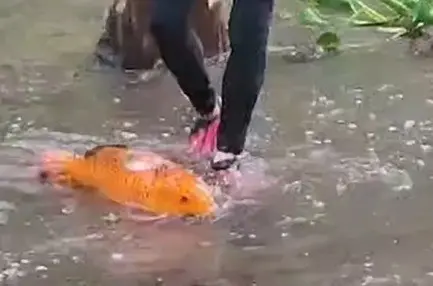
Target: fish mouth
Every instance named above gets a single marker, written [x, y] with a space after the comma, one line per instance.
[43, 177]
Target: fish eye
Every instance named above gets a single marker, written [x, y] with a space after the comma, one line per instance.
[184, 199]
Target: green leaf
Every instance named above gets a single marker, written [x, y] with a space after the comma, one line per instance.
[312, 16]
[399, 6]
[411, 15]
[423, 12]
[329, 41]
[372, 11]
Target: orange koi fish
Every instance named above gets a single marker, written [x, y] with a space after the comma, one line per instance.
[142, 180]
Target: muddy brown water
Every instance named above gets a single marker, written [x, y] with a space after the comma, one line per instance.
[349, 137]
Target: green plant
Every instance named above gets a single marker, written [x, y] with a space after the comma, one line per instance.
[411, 16]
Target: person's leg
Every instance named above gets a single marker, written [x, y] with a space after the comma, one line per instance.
[180, 51]
[244, 75]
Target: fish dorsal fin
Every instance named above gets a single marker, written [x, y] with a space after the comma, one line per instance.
[108, 155]
[100, 148]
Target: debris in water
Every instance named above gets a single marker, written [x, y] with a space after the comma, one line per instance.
[111, 218]
[10, 273]
[205, 244]
[410, 142]
[385, 87]
[127, 124]
[358, 101]
[320, 116]
[409, 124]
[426, 148]
[318, 216]
[40, 268]
[4, 217]
[69, 209]
[392, 128]
[370, 135]
[420, 163]
[300, 220]
[309, 133]
[5, 208]
[128, 135]
[335, 112]
[159, 281]
[117, 256]
[370, 280]
[252, 236]
[352, 126]
[318, 204]
[398, 180]
[341, 187]
[187, 129]
[285, 221]
[295, 186]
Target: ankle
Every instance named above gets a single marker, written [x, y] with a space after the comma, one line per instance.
[215, 111]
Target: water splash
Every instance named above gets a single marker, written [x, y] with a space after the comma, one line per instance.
[5, 209]
[397, 179]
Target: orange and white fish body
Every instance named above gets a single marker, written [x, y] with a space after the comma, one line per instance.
[143, 180]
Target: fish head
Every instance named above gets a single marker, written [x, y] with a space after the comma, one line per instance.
[53, 166]
[56, 166]
[182, 193]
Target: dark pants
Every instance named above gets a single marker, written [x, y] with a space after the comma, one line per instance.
[244, 74]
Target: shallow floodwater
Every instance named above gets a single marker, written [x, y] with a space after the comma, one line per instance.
[348, 138]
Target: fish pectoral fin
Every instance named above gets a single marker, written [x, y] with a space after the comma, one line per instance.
[144, 216]
[134, 206]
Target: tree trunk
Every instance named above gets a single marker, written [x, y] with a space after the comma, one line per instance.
[126, 40]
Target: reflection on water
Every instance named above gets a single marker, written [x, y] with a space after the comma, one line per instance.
[343, 144]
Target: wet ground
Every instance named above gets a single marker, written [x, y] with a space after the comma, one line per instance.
[349, 137]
